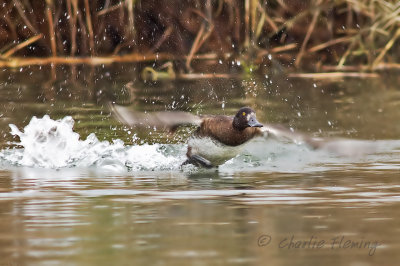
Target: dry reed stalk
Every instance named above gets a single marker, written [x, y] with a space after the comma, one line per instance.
[131, 18]
[282, 4]
[344, 68]
[72, 26]
[14, 62]
[101, 31]
[61, 44]
[284, 48]
[246, 23]
[329, 43]
[52, 35]
[253, 25]
[379, 67]
[262, 53]
[386, 48]
[109, 9]
[267, 18]
[219, 8]
[387, 66]
[260, 26]
[333, 75]
[51, 30]
[195, 46]
[21, 12]
[349, 18]
[289, 22]
[201, 36]
[197, 76]
[348, 52]
[90, 28]
[82, 27]
[162, 39]
[21, 45]
[11, 25]
[308, 35]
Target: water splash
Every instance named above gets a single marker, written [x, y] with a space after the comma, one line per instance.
[51, 143]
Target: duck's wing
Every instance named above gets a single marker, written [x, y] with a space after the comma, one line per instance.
[282, 133]
[339, 146]
[170, 120]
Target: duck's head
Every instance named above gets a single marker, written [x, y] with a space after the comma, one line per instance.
[245, 117]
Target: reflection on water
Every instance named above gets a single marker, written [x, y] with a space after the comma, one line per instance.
[82, 216]
[69, 194]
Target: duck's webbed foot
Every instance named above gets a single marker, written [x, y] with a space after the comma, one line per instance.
[199, 161]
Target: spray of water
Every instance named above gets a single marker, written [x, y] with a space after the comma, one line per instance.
[48, 143]
[52, 144]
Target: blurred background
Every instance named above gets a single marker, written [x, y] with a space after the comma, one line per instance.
[313, 35]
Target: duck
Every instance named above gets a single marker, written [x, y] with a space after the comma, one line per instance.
[218, 138]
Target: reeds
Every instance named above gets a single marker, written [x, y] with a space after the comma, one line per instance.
[314, 35]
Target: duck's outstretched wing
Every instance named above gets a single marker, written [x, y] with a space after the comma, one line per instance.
[339, 146]
[168, 120]
[282, 133]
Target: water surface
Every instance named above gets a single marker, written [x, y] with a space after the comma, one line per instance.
[96, 192]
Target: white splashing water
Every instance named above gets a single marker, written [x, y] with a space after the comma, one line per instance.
[51, 143]
[47, 143]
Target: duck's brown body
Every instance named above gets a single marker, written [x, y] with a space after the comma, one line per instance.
[221, 129]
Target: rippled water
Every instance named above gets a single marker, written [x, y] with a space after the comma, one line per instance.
[76, 187]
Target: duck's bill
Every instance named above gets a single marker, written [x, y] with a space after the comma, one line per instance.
[254, 123]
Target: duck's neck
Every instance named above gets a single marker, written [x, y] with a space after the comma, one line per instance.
[237, 126]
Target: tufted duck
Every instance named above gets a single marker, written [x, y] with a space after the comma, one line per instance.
[218, 138]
